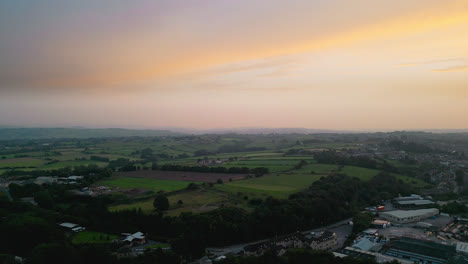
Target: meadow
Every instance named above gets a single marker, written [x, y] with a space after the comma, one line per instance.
[143, 183]
[277, 185]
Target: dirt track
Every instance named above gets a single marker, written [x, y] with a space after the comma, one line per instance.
[181, 175]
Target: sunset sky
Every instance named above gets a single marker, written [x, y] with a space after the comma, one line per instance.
[334, 64]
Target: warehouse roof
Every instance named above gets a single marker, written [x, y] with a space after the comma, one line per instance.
[411, 213]
[68, 225]
[416, 202]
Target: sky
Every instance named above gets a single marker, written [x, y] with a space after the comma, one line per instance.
[323, 64]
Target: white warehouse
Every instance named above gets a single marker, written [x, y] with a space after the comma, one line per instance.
[401, 217]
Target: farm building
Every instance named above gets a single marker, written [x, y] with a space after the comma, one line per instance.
[401, 217]
[136, 238]
[73, 227]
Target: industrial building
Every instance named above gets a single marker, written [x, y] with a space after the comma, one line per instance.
[414, 203]
[401, 217]
[419, 251]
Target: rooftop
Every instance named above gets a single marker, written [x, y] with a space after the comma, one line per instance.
[411, 213]
[68, 225]
[416, 202]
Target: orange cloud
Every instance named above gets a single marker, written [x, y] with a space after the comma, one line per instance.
[460, 68]
[131, 60]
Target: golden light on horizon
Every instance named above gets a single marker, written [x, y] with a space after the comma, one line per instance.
[307, 64]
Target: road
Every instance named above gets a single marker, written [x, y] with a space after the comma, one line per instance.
[341, 228]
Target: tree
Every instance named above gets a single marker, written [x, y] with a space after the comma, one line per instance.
[44, 199]
[161, 203]
[459, 177]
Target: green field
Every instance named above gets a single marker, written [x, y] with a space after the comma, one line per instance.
[279, 186]
[91, 237]
[143, 183]
[21, 163]
[196, 201]
[192, 201]
[358, 172]
[283, 184]
[145, 206]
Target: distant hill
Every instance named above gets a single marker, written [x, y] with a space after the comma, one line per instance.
[261, 130]
[44, 133]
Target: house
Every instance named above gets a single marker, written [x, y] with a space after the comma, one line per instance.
[325, 241]
[322, 241]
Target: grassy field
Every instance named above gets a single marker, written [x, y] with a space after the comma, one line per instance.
[192, 201]
[21, 163]
[358, 172]
[148, 184]
[145, 206]
[279, 186]
[91, 237]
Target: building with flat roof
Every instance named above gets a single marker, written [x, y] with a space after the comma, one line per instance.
[420, 251]
[401, 217]
[414, 203]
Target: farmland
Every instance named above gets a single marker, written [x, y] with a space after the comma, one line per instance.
[195, 201]
[144, 183]
[136, 188]
[181, 176]
[278, 185]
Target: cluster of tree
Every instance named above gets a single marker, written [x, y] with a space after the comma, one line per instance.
[122, 165]
[99, 158]
[301, 164]
[148, 155]
[454, 208]
[301, 152]
[235, 170]
[459, 176]
[90, 170]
